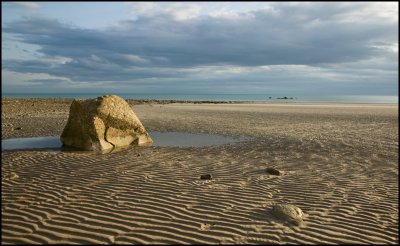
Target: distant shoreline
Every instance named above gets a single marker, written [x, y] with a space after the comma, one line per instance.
[170, 101]
[219, 98]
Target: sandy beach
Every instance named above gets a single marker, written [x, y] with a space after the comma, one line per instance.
[339, 165]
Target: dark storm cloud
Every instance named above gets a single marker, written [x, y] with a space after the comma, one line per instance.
[159, 46]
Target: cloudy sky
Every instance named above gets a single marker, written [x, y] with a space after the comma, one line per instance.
[274, 48]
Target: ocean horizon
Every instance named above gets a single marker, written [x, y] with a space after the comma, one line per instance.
[218, 97]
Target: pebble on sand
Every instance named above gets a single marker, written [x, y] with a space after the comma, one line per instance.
[288, 212]
[206, 176]
[272, 171]
[13, 176]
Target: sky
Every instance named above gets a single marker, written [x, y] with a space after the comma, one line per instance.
[272, 48]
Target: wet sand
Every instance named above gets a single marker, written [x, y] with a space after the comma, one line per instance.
[339, 165]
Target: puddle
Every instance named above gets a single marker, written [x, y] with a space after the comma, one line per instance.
[31, 143]
[161, 139]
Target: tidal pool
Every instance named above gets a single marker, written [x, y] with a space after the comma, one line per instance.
[161, 139]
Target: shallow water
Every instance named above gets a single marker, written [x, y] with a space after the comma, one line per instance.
[31, 143]
[161, 139]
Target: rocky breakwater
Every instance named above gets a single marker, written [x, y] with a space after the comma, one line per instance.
[102, 124]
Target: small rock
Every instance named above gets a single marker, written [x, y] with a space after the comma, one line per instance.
[206, 176]
[272, 171]
[13, 176]
[289, 213]
[138, 154]
[18, 128]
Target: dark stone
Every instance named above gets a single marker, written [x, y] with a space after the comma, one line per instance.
[206, 176]
[272, 171]
[18, 128]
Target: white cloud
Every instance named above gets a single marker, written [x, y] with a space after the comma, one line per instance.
[144, 8]
[55, 61]
[372, 11]
[179, 11]
[17, 79]
[28, 5]
[185, 13]
[62, 60]
[392, 48]
[133, 58]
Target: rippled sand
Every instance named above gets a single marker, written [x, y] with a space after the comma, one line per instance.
[339, 164]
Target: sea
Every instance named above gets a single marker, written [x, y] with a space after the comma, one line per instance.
[221, 97]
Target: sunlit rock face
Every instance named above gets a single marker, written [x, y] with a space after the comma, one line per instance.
[103, 123]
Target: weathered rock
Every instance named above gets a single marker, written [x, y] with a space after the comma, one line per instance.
[206, 176]
[103, 123]
[288, 212]
[272, 171]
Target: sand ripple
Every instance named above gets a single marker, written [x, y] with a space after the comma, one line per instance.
[339, 165]
[157, 197]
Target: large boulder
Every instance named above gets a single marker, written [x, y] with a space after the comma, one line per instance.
[103, 123]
